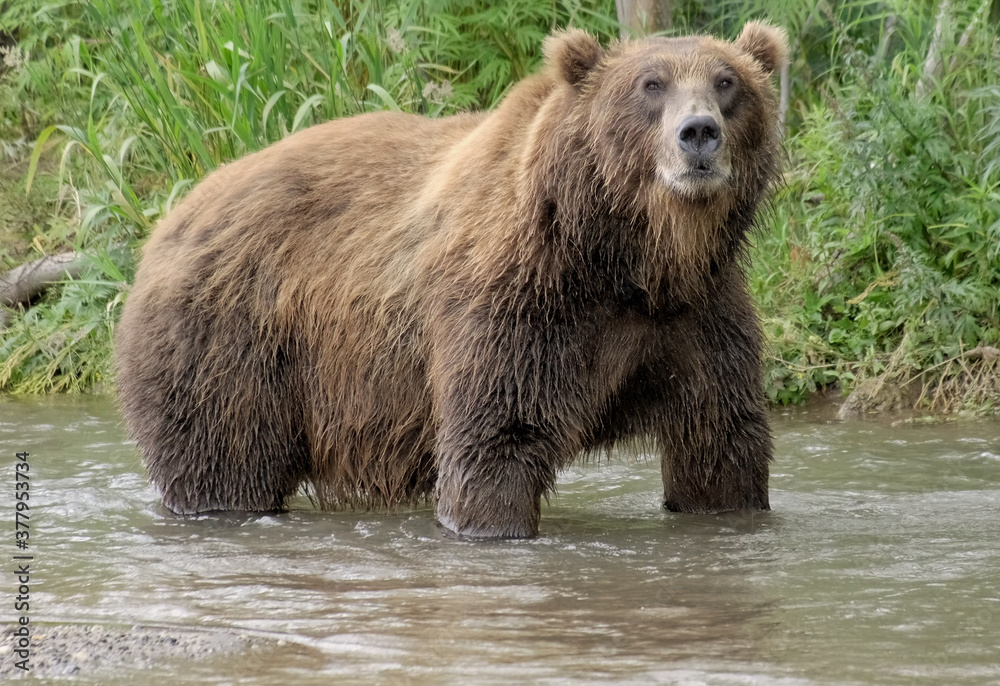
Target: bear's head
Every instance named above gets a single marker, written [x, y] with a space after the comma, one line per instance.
[696, 112]
[684, 131]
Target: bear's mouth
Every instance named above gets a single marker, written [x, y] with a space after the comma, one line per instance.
[702, 167]
[697, 176]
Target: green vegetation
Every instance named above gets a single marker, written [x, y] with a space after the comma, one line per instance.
[878, 261]
[883, 260]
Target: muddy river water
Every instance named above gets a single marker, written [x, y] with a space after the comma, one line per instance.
[879, 564]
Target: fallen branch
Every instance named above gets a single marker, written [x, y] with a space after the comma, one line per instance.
[986, 353]
[23, 284]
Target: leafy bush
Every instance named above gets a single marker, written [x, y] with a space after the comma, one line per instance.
[884, 260]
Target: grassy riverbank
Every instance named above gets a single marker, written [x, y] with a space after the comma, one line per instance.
[877, 265]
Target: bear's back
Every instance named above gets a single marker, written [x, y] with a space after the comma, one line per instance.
[310, 200]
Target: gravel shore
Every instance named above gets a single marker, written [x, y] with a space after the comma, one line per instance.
[79, 650]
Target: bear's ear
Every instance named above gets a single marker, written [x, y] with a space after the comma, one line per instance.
[573, 53]
[765, 43]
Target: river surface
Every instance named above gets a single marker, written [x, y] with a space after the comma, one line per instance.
[879, 564]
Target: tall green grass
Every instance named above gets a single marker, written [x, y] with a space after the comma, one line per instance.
[210, 81]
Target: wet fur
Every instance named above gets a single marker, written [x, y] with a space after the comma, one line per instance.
[392, 307]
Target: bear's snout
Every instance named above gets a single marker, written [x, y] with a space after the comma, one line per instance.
[699, 135]
[695, 160]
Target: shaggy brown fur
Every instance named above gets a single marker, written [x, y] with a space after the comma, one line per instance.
[390, 306]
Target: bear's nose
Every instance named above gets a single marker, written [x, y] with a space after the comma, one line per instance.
[699, 134]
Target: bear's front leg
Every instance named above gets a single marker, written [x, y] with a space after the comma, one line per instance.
[714, 433]
[492, 490]
[508, 405]
[723, 471]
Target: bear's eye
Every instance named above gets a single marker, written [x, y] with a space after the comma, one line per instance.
[653, 85]
[724, 83]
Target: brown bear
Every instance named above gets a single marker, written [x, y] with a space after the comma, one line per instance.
[391, 307]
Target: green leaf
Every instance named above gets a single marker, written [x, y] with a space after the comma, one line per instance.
[384, 96]
[305, 109]
[36, 153]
